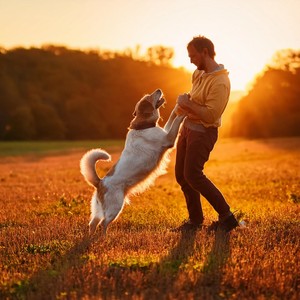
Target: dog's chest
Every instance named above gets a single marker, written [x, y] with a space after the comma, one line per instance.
[150, 140]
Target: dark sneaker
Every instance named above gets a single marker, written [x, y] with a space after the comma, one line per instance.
[227, 225]
[187, 226]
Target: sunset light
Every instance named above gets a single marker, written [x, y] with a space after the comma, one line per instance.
[245, 34]
[128, 172]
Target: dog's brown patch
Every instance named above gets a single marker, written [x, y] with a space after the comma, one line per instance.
[145, 107]
[141, 125]
[143, 116]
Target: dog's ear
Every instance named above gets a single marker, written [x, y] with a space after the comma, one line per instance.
[145, 108]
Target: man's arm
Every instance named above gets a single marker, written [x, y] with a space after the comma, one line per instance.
[213, 108]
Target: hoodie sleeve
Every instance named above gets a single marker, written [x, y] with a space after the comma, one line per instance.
[215, 104]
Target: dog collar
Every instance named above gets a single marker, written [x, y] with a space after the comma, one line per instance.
[142, 126]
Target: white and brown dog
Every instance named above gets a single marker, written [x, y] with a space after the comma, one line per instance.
[143, 159]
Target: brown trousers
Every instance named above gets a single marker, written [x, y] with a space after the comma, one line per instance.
[193, 150]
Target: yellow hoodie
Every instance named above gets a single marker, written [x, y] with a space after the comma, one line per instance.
[211, 91]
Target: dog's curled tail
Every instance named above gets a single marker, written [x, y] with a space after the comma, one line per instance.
[88, 165]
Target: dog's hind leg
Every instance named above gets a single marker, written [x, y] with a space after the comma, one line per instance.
[113, 205]
[96, 213]
[93, 225]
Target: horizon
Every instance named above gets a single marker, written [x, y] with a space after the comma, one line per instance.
[246, 35]
[235, 94]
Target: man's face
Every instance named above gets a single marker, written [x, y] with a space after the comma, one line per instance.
[196, 58]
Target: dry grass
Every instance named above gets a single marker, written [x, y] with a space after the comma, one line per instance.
[45, 252]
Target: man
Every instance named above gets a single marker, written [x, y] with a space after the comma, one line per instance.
[203, 106]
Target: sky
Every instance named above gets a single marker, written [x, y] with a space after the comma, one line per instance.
[246, 34]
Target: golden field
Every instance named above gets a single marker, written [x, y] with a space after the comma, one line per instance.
[45, 251]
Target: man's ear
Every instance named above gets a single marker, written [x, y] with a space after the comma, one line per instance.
[205, 51]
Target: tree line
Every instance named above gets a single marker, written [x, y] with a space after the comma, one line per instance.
[272, 106]
[55, 93]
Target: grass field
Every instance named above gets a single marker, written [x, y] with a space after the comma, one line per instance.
[45, 252]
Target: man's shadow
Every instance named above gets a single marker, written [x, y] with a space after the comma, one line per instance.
[210, 275]
[215, 262]
[180, 253]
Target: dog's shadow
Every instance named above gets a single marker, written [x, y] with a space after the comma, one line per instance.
[50, 277]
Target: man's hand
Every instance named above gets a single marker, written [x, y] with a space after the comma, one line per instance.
[183, 100]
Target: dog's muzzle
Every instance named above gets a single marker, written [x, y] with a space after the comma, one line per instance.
[158, 96]
[160, 102]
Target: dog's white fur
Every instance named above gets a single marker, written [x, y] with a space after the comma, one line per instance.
[143, 159]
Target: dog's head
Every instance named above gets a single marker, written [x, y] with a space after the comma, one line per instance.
[147, 110]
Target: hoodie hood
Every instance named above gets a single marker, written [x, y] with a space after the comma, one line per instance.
[218, 71]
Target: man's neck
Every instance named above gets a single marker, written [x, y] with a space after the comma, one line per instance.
[211, 65]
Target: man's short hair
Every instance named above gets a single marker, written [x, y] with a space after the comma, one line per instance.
[200, 42]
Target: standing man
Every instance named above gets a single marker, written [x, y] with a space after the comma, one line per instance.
[203, 106]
